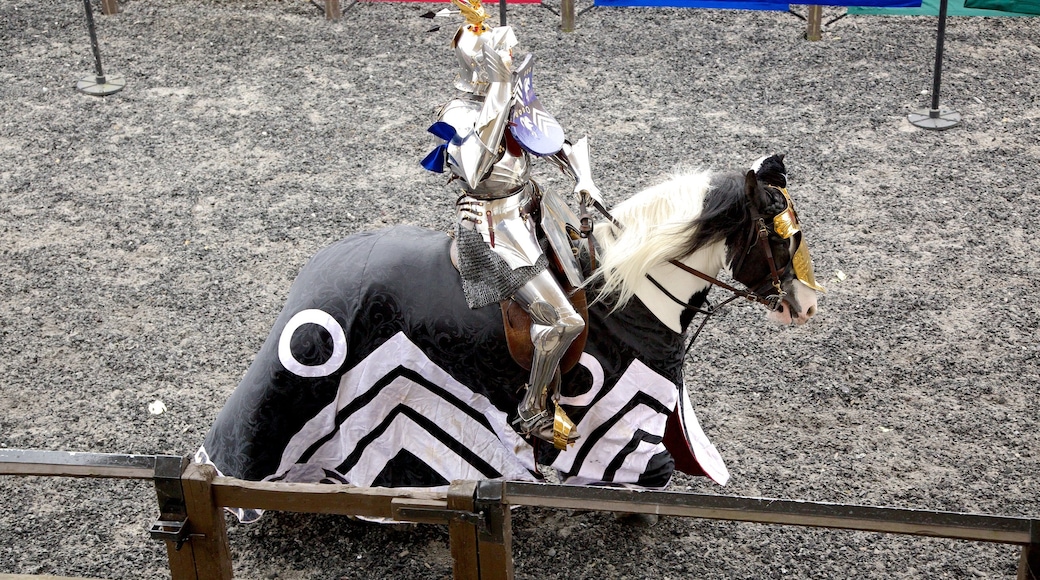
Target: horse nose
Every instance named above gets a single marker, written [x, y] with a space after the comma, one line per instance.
[800, 318]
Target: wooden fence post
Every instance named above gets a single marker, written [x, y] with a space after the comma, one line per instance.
[1029, 560]
[463, 535]
[567, 15]
[171, 526]
[495, 540]
[208, 532]
[814, 27]
[332, 10]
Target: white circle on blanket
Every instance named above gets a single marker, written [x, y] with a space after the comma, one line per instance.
[324, 320]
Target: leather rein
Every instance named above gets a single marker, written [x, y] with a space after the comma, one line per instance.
[761, 233]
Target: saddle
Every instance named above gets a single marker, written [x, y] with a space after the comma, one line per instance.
[517, 322]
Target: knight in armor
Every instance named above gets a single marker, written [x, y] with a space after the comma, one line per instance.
[491, 129]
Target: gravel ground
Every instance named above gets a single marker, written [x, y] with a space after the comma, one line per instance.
[149, 238]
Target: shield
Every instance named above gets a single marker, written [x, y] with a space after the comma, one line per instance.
[532, 126]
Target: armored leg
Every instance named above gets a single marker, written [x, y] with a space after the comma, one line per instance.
[554, 326]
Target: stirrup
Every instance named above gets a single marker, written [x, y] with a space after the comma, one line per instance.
[564, 432]
[557, 429]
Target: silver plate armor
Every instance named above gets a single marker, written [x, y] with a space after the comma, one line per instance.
[499, 254]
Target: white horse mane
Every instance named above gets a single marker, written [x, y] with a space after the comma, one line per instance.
[656, 227]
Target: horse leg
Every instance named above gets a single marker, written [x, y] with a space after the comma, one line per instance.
[554, 325]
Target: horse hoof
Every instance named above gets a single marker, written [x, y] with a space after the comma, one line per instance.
[638, 520]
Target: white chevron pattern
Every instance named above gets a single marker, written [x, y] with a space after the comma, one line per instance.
[544, 121]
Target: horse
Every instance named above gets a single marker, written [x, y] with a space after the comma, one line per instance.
[377, 373]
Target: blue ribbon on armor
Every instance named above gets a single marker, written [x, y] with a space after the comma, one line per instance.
[438, 158]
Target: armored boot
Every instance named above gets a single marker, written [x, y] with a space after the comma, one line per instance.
[554, 325]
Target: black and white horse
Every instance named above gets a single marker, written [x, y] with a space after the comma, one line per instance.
[377, 373]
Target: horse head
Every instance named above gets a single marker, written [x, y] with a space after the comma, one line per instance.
[772, 259]
[699, 224]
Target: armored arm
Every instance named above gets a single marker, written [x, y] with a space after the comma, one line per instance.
[573, 159]
[494, 114]
[479, 117]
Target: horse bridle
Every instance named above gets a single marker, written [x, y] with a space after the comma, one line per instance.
[771, 301]
[761, 232]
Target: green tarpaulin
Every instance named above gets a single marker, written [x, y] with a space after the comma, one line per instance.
[959, 8]
[1017, 6]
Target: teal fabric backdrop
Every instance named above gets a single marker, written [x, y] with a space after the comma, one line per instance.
[953, 8]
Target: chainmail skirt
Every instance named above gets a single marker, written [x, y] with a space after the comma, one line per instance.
[486, 277]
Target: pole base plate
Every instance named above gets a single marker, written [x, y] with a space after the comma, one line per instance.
[101, 86]
[934, 120]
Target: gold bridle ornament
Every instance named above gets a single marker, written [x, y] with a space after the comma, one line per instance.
[785, 224]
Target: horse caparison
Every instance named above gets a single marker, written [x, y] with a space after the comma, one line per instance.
[377, 372]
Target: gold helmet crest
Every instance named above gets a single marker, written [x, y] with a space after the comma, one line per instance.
[474, 13]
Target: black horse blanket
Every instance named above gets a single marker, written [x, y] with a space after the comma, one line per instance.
[377, 373]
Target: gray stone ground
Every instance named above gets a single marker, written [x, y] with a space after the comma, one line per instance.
[147, 241]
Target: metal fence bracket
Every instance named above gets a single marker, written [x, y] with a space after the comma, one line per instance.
[172, 524]
[423, 512]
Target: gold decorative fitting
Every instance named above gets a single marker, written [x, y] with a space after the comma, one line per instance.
[785, 224]
[803, 268]
[563, 427]
[474, 13]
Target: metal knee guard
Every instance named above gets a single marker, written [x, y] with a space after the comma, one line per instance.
[554, 326]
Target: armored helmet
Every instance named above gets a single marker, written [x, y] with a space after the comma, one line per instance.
[470, 42]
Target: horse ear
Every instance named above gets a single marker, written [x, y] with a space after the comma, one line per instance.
[756, 195]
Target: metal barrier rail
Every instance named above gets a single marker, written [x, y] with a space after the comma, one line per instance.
[72, 464]
[192, 499]
[953, 525]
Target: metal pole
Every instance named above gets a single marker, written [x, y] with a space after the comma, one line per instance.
[98, 85]
[501, 12]
[940, 41]
[567, 15]
[814, 23]
[93, 41]
[936, 119]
